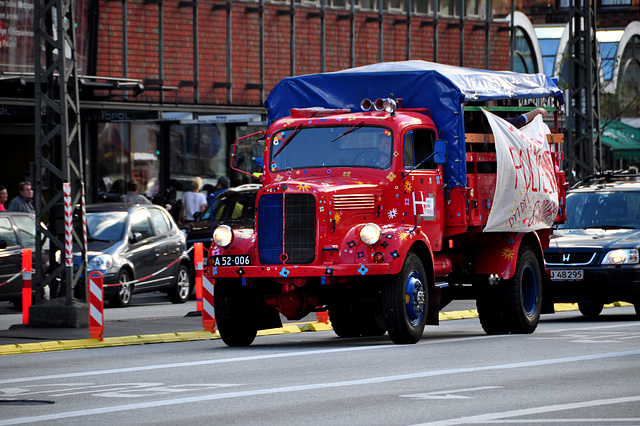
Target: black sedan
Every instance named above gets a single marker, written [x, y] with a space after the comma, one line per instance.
[131, 246]
[234, 207]
[17, 232]
[594, 258]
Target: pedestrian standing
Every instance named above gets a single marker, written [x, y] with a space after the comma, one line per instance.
[193, 201]
[3, 198]
[24, 201]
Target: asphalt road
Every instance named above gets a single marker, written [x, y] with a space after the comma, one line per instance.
[571, 370]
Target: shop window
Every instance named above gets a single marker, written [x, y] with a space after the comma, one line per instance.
[113, 155]
[145, 158]
[197, 150]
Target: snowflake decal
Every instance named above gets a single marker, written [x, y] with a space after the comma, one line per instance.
[392, 213]
[507, 253]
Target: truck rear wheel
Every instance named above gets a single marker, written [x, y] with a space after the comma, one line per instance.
[405, 302]
[523, 294]
[234, 317]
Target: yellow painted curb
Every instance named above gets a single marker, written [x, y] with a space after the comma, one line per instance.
[63, 345]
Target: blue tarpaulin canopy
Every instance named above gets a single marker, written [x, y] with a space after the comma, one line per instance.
[440, 88]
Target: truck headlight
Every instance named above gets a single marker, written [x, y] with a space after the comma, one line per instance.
[222, 236]
[621, 257]
[101, 262]
[370, 234]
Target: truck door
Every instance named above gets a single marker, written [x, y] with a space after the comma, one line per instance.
[425, 178]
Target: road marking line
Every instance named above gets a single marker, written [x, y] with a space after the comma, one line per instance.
[501, 417]
[346, 383]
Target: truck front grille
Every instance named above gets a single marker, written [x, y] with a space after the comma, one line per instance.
[286, 229]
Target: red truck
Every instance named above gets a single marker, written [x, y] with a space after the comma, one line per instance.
[378, 209]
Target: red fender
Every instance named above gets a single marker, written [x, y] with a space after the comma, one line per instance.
[498, 252]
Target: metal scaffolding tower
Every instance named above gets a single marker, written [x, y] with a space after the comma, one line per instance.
[583, 148]
[58, 162]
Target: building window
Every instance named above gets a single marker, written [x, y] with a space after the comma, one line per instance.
[524, 58]
[449, 8]
[607, 3]
[423, 7]
[197, 150]
[113, 156]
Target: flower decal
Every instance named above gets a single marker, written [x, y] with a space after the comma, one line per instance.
[507, 253]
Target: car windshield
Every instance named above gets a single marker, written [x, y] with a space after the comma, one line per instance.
[106, 226]
[230, 206]
[352, 145]
[609, 210]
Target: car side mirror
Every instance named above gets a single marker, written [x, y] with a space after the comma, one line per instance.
[440, 151]
[197, 215]
[135, 237]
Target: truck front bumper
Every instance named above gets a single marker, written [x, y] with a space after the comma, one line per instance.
[298, 271]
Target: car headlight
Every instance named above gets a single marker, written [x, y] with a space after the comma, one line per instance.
[621, 256]
[222, 236]
[101, 262]
[370, 234]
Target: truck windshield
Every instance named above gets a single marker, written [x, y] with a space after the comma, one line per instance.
[335, 146]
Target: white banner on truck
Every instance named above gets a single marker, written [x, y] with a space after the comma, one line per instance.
[526, 197]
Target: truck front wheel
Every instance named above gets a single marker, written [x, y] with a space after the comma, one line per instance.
[405, 302]
[234, 317]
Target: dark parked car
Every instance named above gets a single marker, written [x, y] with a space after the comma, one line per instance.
[593, 258]
[127, 243]
[234, 207]
[17, 232]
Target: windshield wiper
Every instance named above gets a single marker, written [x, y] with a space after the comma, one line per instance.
[288, 139]
[349, 130]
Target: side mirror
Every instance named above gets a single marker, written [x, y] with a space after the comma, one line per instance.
[440, 151]
[135, 237]
[197, 215]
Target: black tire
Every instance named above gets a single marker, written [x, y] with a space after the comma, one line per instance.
[349, 320]
[405, 302]
[343, 319]
[234, 317]
[122, 298]
[489, 305]
[590, 309]
[179, 292]
[523, 294]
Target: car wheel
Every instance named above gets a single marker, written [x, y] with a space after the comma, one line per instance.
[405, 302]
[122, 298]
[234, 318]
[179, 293]
[590, 309]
